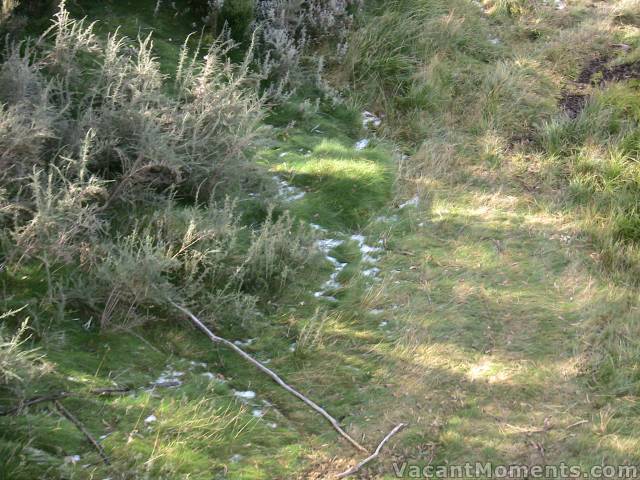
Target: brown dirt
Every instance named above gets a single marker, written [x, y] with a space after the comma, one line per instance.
[595, 74]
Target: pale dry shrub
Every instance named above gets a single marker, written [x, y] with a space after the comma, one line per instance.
[122, 197]
[278, 249]
[287, 29]
[28, 118]
[203, 257]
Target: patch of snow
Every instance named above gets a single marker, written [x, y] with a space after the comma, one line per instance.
[209, 375]
[371, 272]
[369, 118]
[236, 458]
[169, 376]
[256, 412]
[150, 419]
[328, 244]
[293, 346]
[358, 238]
[72, 459]
[365, 249]
[248, 395]
[376, 311]
[383, 324]
[244, 343]
[283, 154]
[272, 425]
[198, 364]
[389, 219]
[362, 144]
[297, 196]
[414, 202]
[317, 228]
[560, 5]
[494, 40]
[288, 192]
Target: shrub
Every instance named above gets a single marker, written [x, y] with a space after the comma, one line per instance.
[120, 184]
[282, 30]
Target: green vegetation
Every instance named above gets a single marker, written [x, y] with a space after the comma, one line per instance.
[463, 259]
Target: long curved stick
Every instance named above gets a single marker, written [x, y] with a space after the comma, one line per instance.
[214, 338]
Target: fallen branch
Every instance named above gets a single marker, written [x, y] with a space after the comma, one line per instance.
[69, 416]
[101, 392]
[374, 455]
[214, 338]
[35, 401]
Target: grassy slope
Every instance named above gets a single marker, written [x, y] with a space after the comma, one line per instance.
[489, 294]
[202, 427]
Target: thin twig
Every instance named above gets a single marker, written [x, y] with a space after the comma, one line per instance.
[96, 391]
[374, 455]
[214, 338]
[35, 401]
[581, 422]
[69, 416]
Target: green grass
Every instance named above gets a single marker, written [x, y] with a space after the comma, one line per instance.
[315, 151]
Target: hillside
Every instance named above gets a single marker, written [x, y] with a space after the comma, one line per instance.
[420, 212]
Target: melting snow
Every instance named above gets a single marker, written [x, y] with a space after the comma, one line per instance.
[369, 118]
[365, 249]
[328, 244]
[288, 192]
[371, 272]
[72, 459]
[383, 324]
[414, 202]
[244, 343]
[256, 412]
[362, 144]
[150, 419]
[383, 219]
[169, 376]
[376, 311]
[248, 395]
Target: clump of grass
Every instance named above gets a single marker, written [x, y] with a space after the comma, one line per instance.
[627, 12]
[18, 363]
[597, 155]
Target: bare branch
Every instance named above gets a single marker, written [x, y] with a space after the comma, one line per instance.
[374, 455]
[69, 416]
[214, 338]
